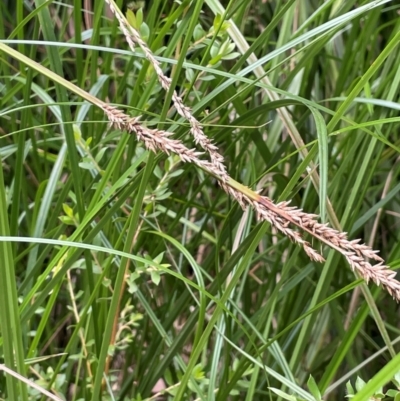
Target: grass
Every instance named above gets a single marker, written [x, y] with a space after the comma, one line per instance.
[127, 274]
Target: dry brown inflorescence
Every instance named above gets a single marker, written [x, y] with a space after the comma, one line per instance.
[282, 216]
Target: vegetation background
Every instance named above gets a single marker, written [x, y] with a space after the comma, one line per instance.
[129, 275]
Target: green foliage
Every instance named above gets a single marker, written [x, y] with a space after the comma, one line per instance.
[391, 394]
[128, 275]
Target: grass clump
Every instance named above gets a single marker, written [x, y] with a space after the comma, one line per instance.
[132, 268]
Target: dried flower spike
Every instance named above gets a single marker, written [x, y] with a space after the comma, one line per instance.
[133, 37]
[282, 216]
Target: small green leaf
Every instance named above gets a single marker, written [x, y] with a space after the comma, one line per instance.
[168, 378]
[396, 380]
[155, 277]
[165, 195]
[224, 49]
[207, 77]
[189, 74]
[77, 133]
[158, 259]
[139, 17]
[87, 164]
[132, 288]
[360, 384]
[144, 31]
[198, 33]
[231, 56]
[214, 50]
[176, 173]
[158, 172]
[111, 350]
[172, 391]
[312, 385]
[215, 60]
[100, 154]
[68, 210]
[67, 220]
[231, 47]
[75, 357]
[134, 276]
[225, 26]
[350, 389]
[283, 395]
[198, 372]
[217, 21]
[130, 16]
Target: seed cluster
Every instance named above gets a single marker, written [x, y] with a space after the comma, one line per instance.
[282, 216]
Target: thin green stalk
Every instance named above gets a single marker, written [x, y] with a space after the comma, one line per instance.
[13, 348]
